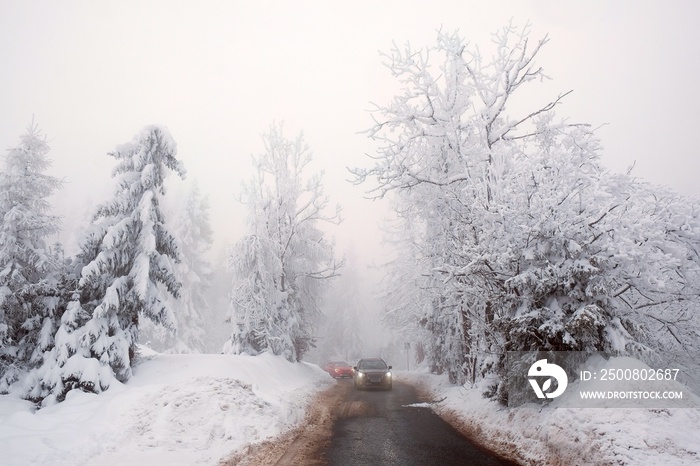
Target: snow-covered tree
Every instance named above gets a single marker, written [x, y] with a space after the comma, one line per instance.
[518, 237]
[127, 272]
[194, 238]
[280, 265]
[28, 285]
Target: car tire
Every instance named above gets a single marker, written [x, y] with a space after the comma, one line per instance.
[388, 387]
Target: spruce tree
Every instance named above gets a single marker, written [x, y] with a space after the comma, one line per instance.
[28, 295]
[132, 265]
[127, 272]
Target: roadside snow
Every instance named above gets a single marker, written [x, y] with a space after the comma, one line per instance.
[176, 410]
[418, 405]
[566, 436]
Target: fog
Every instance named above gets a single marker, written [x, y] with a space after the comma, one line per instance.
[217, 74]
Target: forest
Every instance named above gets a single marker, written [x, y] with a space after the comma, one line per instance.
[507, 232]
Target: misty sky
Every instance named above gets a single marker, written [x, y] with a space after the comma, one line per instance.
[217, 74]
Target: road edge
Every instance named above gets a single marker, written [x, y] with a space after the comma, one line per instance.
[506, 451]
[302, 445]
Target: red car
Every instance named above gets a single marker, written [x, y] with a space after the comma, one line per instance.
[338, 370]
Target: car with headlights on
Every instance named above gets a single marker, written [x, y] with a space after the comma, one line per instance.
[372, 372]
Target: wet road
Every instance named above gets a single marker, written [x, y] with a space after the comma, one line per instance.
[377, 428]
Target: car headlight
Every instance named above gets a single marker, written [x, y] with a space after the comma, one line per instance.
[388, 374]
[360, 375]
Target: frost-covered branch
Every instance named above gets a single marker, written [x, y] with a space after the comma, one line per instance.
[515, 236]
[278, 268]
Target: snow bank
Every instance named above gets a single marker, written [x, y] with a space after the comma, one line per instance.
[566, 436]
[176, 410]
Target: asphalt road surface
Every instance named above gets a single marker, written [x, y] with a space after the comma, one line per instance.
[378, 428]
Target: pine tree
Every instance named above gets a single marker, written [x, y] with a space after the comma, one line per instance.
[127, 272]
[28, 288]
[122, 281]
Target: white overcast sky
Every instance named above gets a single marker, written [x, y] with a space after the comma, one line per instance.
[217, 74]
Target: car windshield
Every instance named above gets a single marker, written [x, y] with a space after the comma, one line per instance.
[372, 365]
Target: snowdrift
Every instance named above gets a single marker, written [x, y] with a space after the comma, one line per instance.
[176, 410]
[565, 436]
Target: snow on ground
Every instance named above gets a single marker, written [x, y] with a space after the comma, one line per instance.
[176, 410]
[565, 436]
